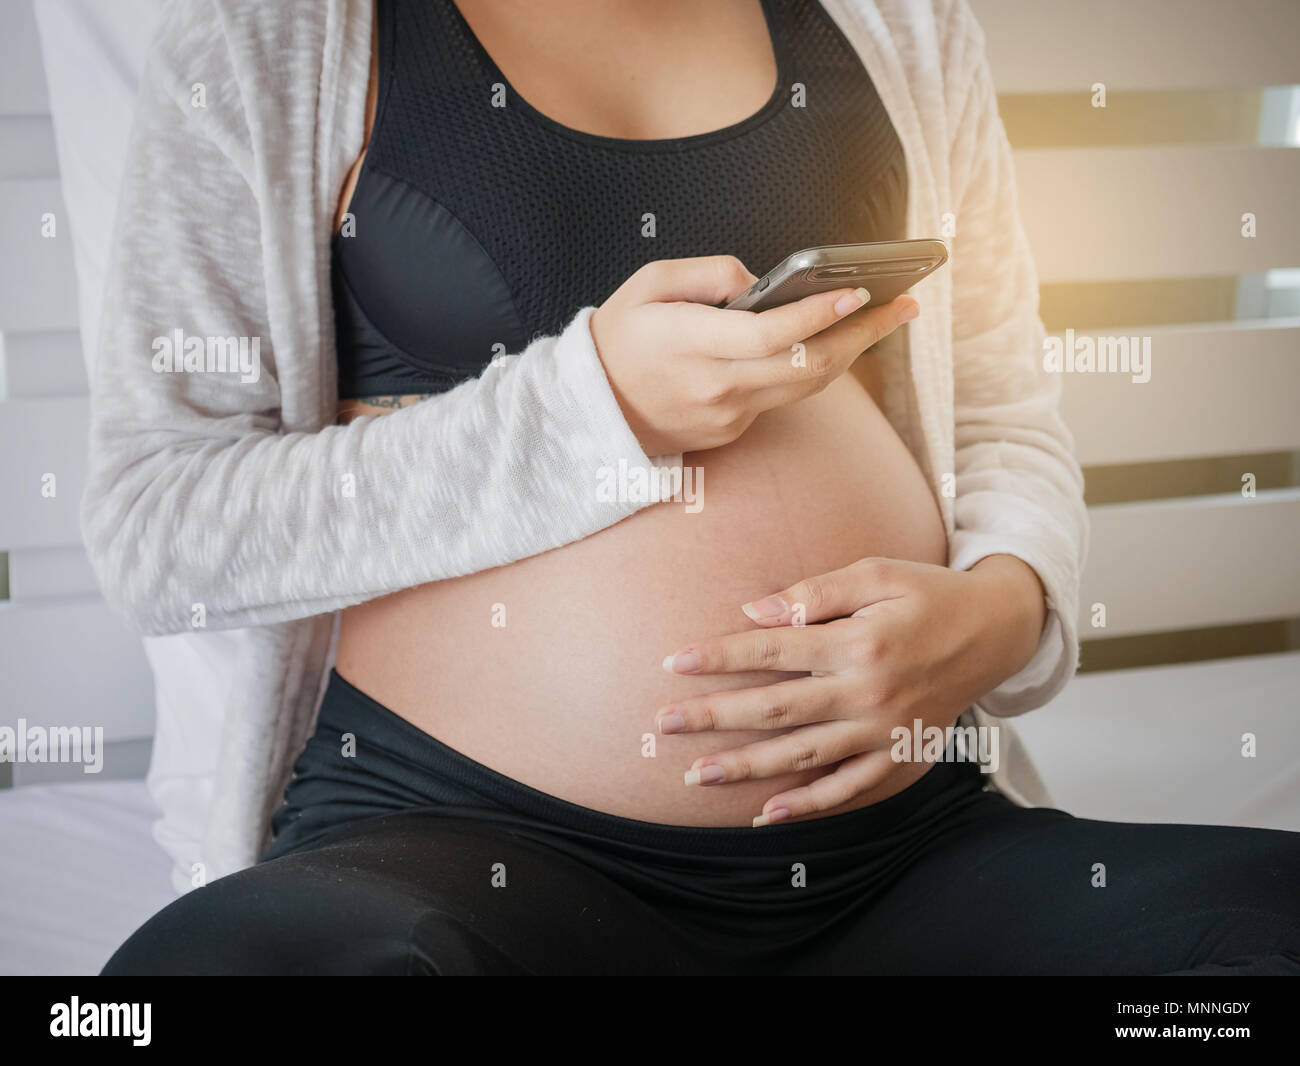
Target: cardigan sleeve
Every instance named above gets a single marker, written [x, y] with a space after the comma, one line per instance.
[1019, 489]
[200, 508]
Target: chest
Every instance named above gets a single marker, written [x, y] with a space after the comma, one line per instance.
[626, 69]
[483, 221]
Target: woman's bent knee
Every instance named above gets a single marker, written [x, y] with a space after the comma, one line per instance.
[285, 917]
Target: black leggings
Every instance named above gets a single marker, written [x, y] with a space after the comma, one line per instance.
[470, 872]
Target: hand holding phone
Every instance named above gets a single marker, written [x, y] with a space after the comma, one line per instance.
[690, 376]
[886, 269]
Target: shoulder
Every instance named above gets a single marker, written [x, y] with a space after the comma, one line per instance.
[251, 27]
[941, 47]
[250, 44]
[941, 31]
[236, 68]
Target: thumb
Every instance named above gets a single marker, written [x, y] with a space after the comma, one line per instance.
[710, 279]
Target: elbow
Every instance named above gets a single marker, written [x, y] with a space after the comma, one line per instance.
[1046, 675]
[131, 572]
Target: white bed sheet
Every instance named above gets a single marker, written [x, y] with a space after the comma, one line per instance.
[81, 872]
[1164, 743]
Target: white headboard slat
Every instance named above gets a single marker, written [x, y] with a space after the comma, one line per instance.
[45, 573]
[38, 438]
[43, 363]
[1050, 46]
[1119, 214]
[1181, 413]
[1192, 562]
[22, 78]
[37, 280]
[27, 147]
[75, 663]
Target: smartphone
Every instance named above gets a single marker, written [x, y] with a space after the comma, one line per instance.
[885, 269]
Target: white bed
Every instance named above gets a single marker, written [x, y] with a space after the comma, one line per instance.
[1164, 743]
[82, 870]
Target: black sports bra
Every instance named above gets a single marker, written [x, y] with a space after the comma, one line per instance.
[476, 228]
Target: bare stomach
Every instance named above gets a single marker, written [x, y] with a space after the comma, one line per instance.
[549, 670]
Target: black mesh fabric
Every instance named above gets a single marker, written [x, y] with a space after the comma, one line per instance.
[556, 215]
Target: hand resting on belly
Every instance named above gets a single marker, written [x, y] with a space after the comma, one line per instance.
[549, 670]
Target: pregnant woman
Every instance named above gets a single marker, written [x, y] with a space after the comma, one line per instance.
[542, 726]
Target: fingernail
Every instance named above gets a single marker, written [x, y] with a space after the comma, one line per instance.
[684, 663]
[778, 815]
[672, 723]
[908, 312]
[706, 775]
[766, 609]
[851, 301]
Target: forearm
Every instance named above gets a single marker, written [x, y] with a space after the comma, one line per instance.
[1019, 487]
[183, 510]
[1017, 606]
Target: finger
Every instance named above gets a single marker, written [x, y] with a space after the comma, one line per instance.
[762, 333]
[806, 748]
[803, 366]
[749, 336]
[778, 706]
[833, 595]
[793, 650]
[710, 279]
[854, 776]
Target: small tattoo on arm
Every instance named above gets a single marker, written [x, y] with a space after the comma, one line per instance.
[394, 401]
[375, 405]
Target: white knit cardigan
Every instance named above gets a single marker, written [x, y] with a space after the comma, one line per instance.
[215, 501]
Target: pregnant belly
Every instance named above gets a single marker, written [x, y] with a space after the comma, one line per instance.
[548, 670]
